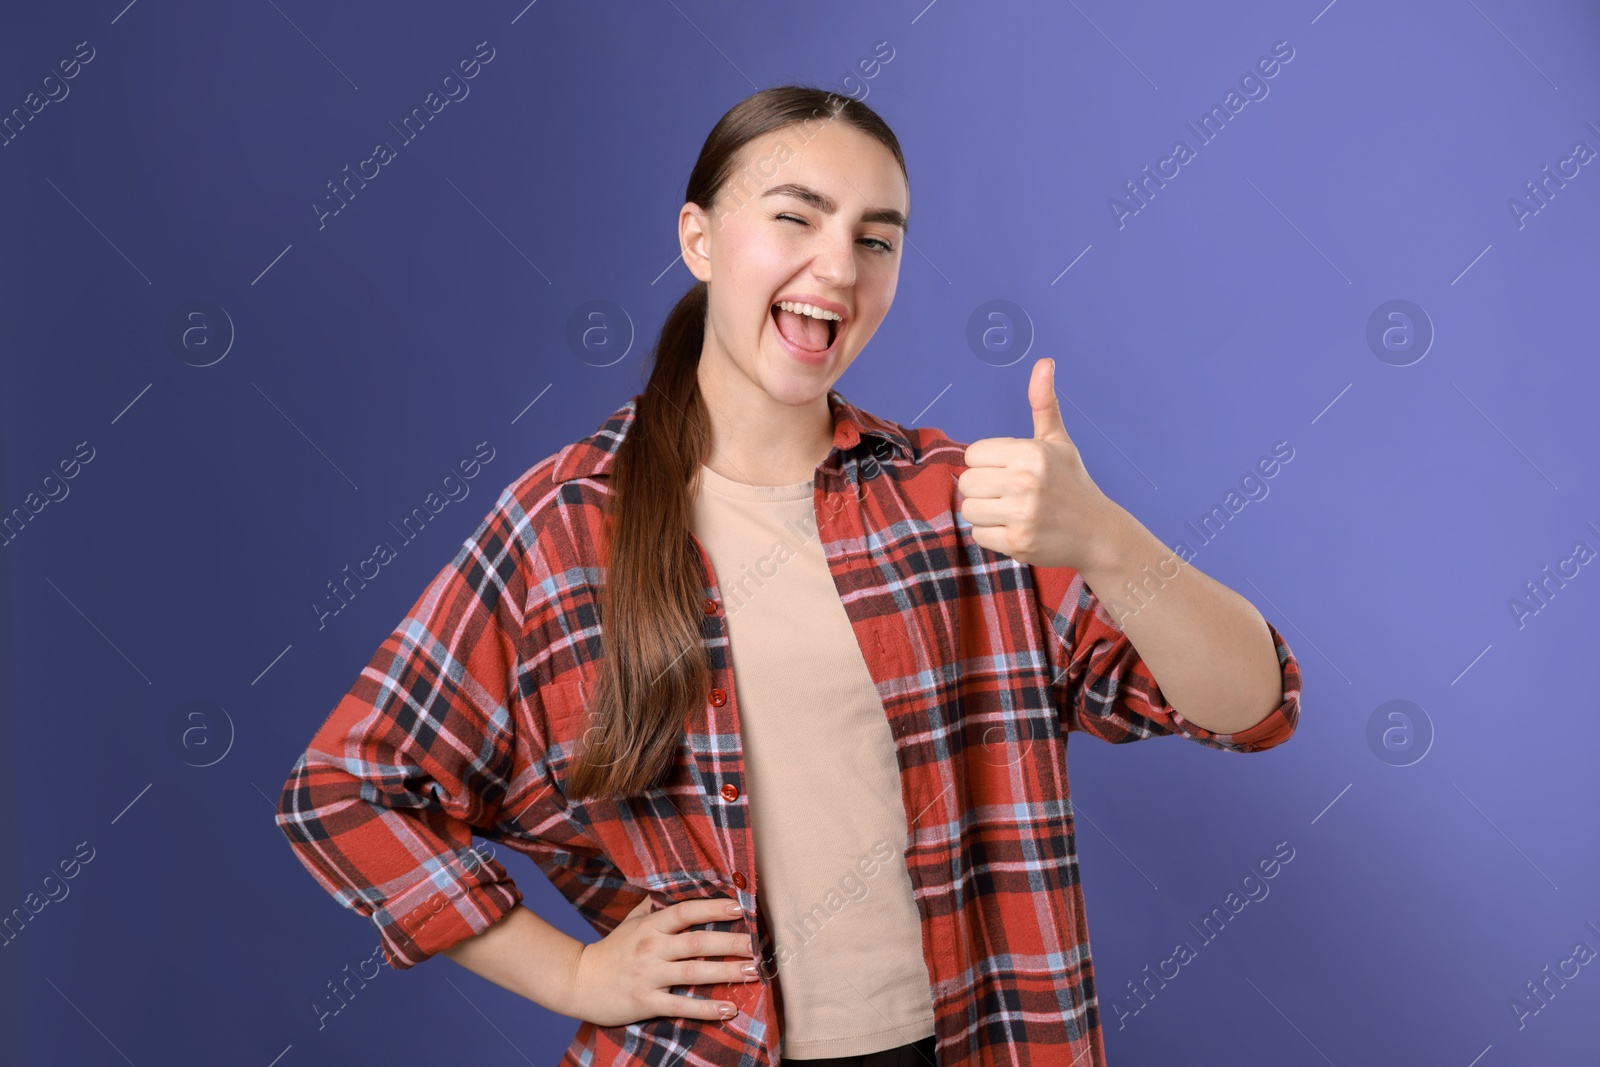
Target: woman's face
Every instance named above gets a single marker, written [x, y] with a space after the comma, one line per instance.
[810, 214]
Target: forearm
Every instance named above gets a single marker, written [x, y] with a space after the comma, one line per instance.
[1207, 647]
[526, 955]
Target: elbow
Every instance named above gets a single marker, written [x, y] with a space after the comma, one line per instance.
[1275, 728]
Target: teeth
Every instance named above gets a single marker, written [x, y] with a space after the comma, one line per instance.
[809, 309]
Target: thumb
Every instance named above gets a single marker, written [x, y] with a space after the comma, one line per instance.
[1047, 424]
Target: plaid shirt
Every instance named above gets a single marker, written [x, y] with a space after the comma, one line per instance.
[466, 717]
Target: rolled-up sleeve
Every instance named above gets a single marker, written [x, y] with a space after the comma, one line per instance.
[382, 805]
[1104, 688]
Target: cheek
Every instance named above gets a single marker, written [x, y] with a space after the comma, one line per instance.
[887, 286]
[751, 252]
[874, 309]
[752, 270]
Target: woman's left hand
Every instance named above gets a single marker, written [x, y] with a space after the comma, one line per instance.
[1031, 498]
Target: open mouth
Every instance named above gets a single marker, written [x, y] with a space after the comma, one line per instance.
[805, 332]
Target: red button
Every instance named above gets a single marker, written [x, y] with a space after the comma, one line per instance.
[738, 879]
[730, 792]
[718, 697]
[711, 606]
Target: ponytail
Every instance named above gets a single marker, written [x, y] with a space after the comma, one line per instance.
[652, 605]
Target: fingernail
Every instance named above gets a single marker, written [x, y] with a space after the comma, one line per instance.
[735, 908]
[748, 968]
[727, 1011]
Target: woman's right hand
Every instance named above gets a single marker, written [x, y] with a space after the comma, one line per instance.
[624, 977]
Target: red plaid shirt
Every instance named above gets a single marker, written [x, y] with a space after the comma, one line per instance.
[466, 717]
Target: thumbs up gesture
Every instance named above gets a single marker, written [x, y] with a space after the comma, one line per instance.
[1031, 497]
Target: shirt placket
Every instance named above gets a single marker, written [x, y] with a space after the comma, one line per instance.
[719, 768]
[892, 644]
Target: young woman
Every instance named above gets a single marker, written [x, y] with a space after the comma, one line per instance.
[777, 692]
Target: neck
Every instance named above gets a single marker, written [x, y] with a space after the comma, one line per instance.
[757, 438]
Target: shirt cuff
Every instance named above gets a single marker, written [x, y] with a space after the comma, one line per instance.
[1279, 724]
[442, 919]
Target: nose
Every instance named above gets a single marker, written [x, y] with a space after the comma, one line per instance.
[835, 262]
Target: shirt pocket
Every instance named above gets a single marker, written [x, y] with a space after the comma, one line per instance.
[564, 701]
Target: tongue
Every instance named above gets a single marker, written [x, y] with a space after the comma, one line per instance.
[803, 331]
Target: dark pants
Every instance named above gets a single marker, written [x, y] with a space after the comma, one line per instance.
[916, 1054]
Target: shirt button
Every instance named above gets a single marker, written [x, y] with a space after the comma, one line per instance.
[730, 792]
[711, 606]
[718, 697]
[738, 879]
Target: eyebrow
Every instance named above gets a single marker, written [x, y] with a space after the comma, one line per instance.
[825, 204]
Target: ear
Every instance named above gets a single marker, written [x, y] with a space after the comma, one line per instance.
[695, 239]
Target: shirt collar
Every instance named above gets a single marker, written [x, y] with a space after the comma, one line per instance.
[591, 456]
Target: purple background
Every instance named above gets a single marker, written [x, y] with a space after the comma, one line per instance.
[1230, 313]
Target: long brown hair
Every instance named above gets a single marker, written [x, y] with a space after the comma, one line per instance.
[652, 606]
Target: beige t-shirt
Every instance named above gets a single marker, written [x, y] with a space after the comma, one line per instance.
[823, 783]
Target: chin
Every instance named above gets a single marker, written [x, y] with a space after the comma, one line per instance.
[797, 389]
